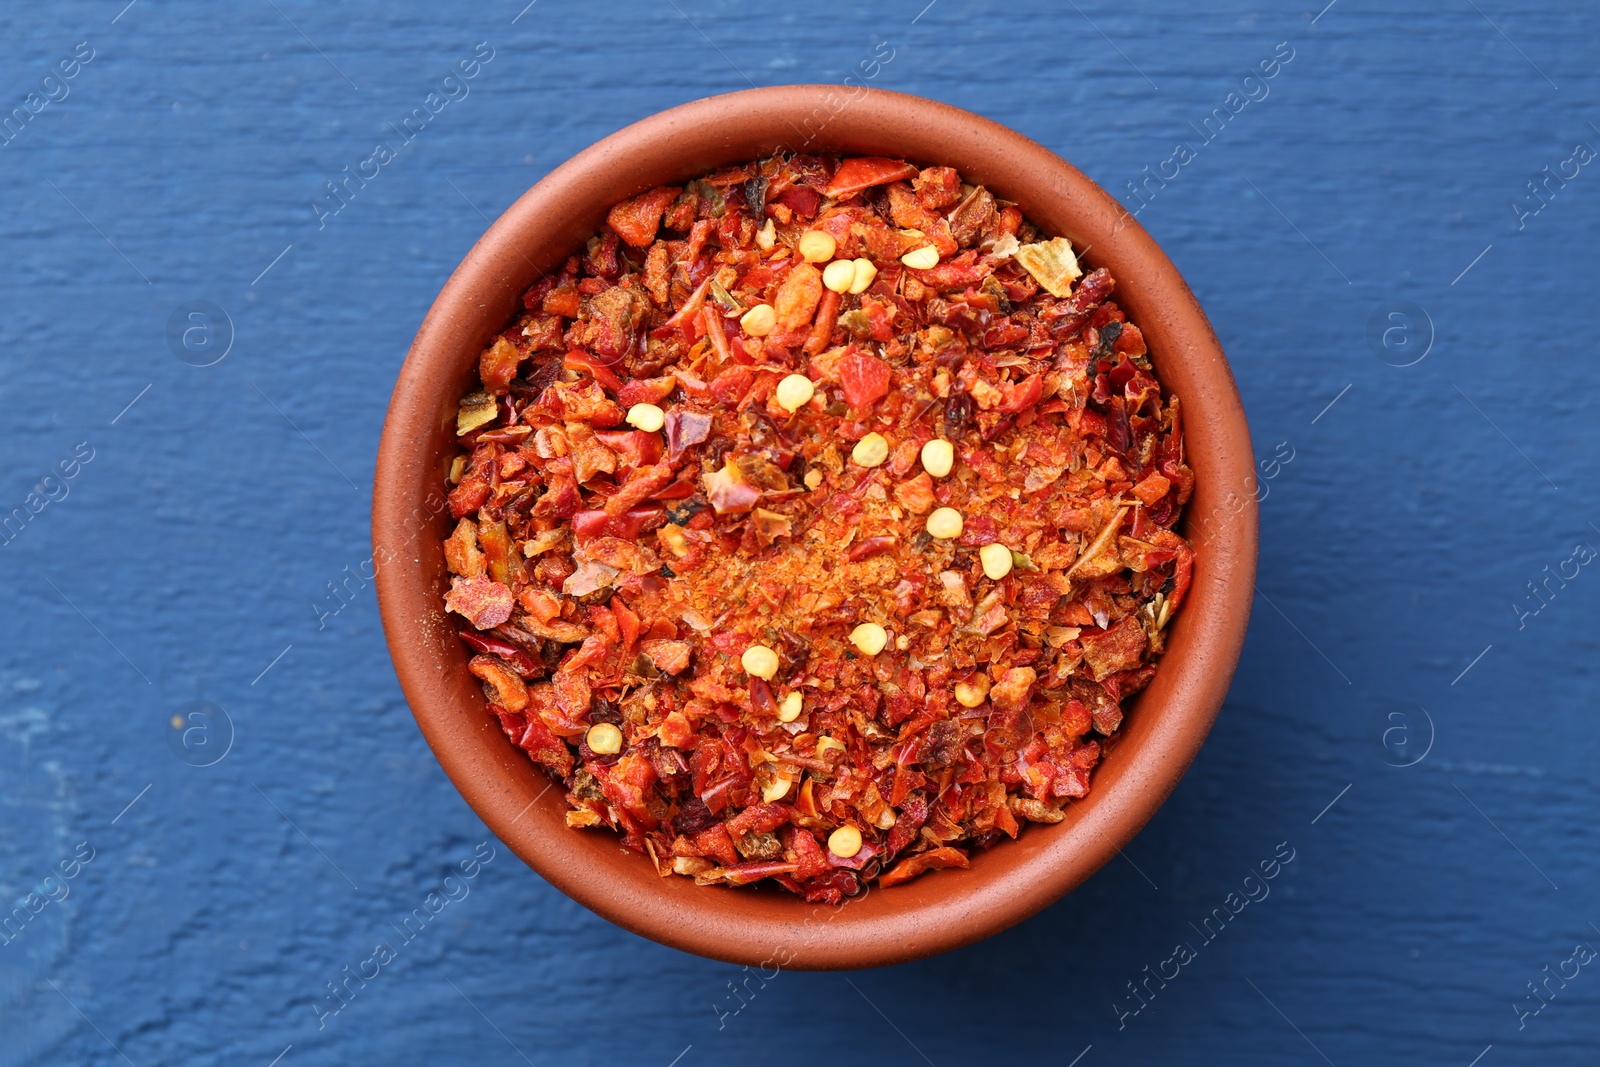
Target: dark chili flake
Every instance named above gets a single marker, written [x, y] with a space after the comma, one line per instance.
[755, 197]
[957, 414]
[1108, 339]
[681, 514]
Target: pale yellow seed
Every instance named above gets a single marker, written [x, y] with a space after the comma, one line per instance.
[766, 237]
[938, 456]
[795, 391]
[996, 560]
[839, 275]
[946, 524]
[760, 661]
[921, 258]
[605, 739]
[865, 273]
[789, 707]
[646, 417]
[813, 478]
[828, 744]
[759, 320]
[674, 538]
[776, 790]
[816, 246]
[845, 841]
[972, 693]
[870, 638]
[871, 450]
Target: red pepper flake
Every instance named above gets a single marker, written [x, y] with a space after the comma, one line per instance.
[729, 492]
[485, 602]
[871, 546]
[797, 299]
[670, 657]
[645, 390]
[864, 378]
[684, 430]
[863, 172]
[636, 220]
[935, 859]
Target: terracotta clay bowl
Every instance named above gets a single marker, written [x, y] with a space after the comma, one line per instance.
[1164, 727]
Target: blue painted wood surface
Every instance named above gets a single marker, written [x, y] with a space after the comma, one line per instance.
[1413, 718]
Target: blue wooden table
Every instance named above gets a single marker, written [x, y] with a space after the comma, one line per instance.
[214, 801]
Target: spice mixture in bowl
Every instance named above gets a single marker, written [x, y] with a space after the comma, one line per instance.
[788, 497]
[814, 523]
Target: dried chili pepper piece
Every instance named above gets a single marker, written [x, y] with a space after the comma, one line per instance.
[863, 378]
[863, 172]
[637, 220]
[484, 602]
[936, 859]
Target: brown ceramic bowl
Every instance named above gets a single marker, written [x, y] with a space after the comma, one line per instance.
[1165, 726]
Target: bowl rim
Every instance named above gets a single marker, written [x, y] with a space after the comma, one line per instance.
[1164, 728]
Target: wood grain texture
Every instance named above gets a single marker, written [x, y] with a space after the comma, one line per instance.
[220, 530]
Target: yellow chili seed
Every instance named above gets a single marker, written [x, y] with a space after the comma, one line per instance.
[776, 790]
[938, 456]
[646, 417]
[760, 662]
[865, 273]
[759, 320]
[816, 246]
[766, 237]
[946, 524]
[828, 744]
[921, 258]
[970, 694]
[996, 560]
[871, 450]
[839, 275]
[869, 638]
[795, 391]
[845, 841]
[789, 707]
[605, 739]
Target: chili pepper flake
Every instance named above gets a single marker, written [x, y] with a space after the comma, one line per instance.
[485, 602]
[1052, 264]
[760, 413]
